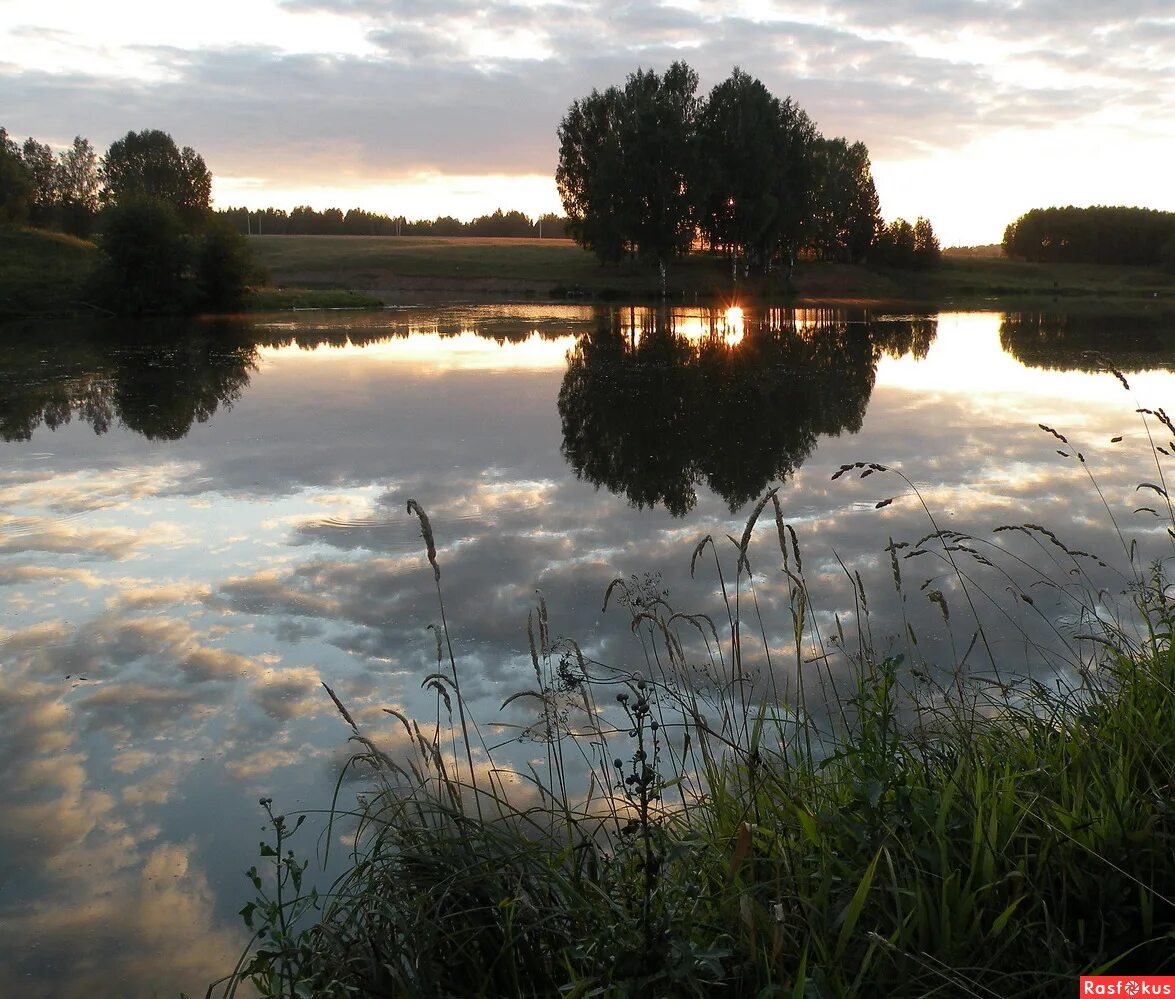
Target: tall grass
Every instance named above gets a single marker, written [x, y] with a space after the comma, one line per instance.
[715, 821]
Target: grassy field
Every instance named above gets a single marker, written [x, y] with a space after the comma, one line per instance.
[396, 266]
[422, 256]
[514, 267]
[966, 277]
[43, 273]
[528, 267]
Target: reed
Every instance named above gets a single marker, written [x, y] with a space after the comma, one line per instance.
[704, 826]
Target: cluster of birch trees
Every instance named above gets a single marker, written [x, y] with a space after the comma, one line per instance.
[653, 169]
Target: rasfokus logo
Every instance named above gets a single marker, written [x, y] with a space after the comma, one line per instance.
[1128, 985]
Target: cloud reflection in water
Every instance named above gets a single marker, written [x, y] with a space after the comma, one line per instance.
[178, 573]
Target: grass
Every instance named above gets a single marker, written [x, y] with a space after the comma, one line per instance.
[396, 266]
[43, 273]
[941, 829]
[419, 256]
[972, 279]
[269, 299]
[547, 267]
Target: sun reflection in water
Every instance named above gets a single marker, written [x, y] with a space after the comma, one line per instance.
[722, 325]
[734, 325]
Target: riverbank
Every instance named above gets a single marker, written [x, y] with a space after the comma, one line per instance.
[47, 274]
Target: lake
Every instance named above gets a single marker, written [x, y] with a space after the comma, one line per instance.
[202, 522]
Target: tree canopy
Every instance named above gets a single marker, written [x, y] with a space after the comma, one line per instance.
[846, 214]
[15, 183]
[650, 414]
[900, 244]
[307, 221]
[48, 191]
[77, 186]
[649, 168]
[144, 257]
[755, 180]
[149, 164]
[590, 175]
[41, 166]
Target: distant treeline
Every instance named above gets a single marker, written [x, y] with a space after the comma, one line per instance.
[305, 221]
[1094, 235]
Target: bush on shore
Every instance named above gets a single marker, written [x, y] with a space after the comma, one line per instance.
[152, 263]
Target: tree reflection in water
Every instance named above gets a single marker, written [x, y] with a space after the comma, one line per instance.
[650, 412]
[1077, 342]
[156, 379]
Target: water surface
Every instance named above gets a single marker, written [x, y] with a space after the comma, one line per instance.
[199, 523]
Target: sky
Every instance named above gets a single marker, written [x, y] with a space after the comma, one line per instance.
[974, 111]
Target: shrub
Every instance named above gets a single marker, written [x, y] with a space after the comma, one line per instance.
[224, 266]
[146, 255]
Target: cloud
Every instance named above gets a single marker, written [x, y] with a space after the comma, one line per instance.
[134, 595]
[469, 89]
[147, 903]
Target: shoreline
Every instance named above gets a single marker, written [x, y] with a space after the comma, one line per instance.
[44, 275]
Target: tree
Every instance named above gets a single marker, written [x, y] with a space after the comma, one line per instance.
[895, 244]
[1167, 255]
[927, 252]
[331, 221]
[846, 216]
[658, 141]
[736, 207]
[145, 256]
[793, 184]
[1098, 235]
[625, 166]
[42, 172]
[77, 186]
[223, 267]
[908, 246]
[754, 179]
[512, 223]
[590, 175]
[15, 185]
[650, 168]
[149, 164]
[552, 226]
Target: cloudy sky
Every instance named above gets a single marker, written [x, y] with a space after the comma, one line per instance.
[973, 110]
